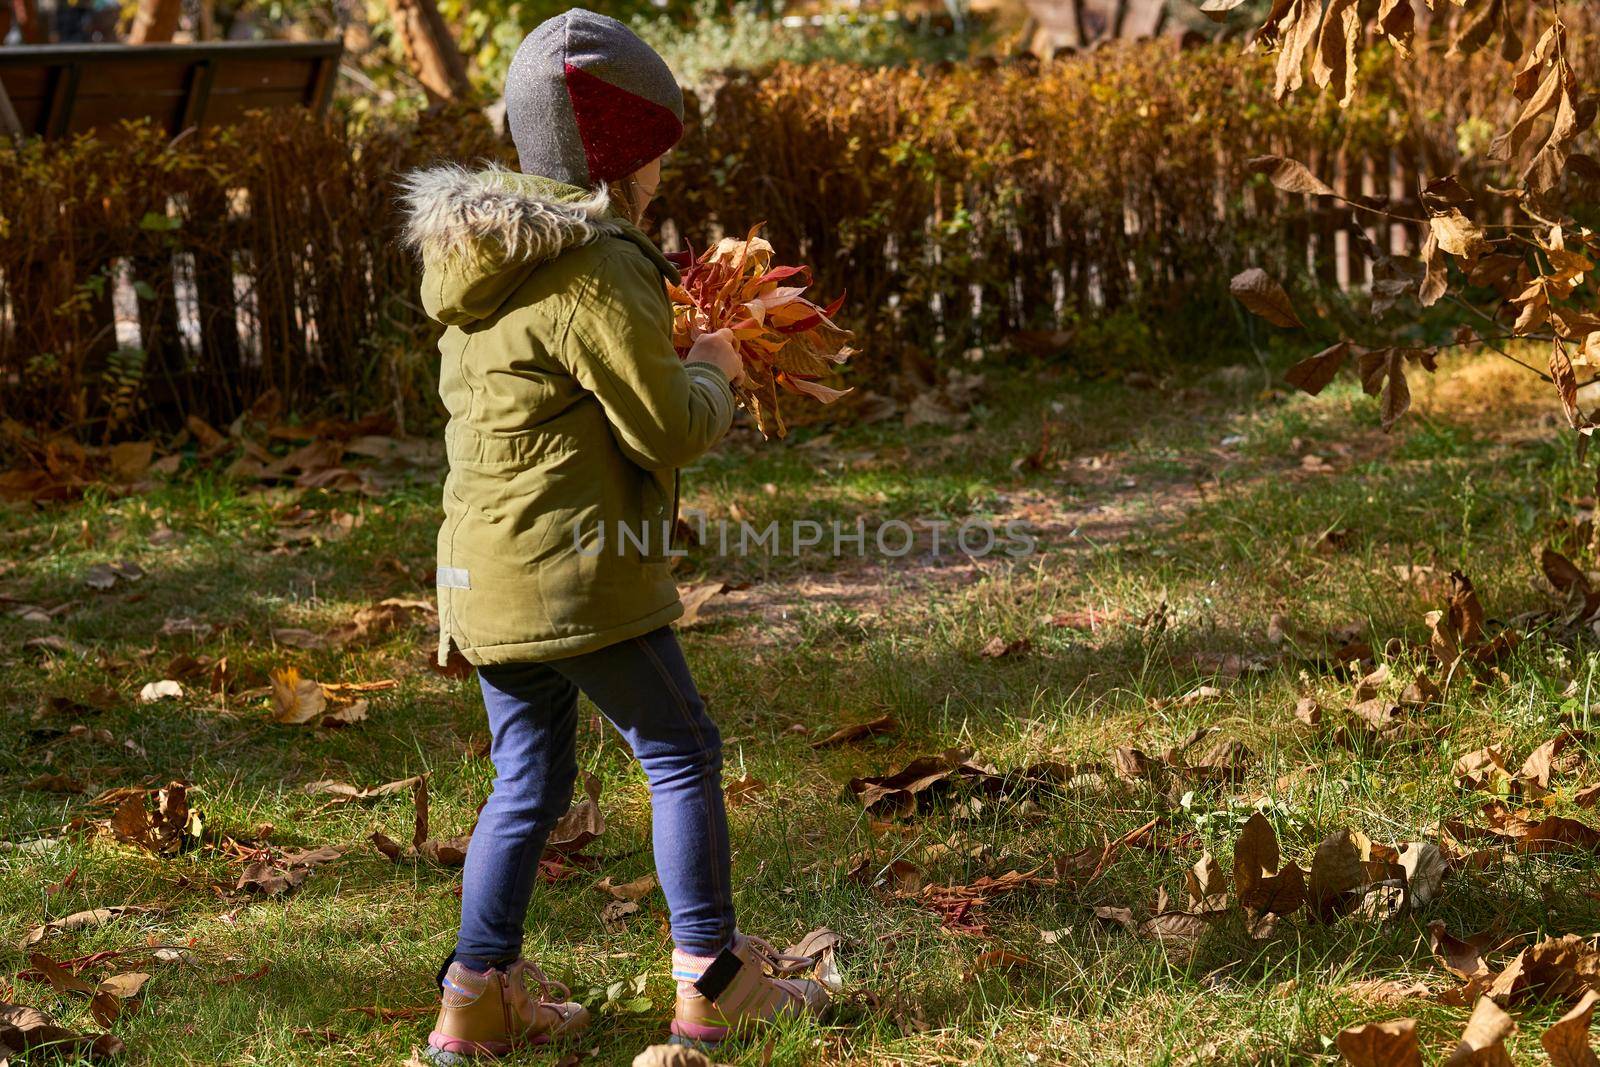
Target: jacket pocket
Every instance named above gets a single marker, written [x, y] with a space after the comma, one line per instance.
[655, 517]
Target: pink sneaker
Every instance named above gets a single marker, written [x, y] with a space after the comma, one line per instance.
[492, 1013]
[750, 983]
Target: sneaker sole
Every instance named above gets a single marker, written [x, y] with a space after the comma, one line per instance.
[702, 1036]
[440, 1058]
[697, 1044]
[454, 1051]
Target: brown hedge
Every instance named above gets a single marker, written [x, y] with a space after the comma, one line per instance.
[955, 206]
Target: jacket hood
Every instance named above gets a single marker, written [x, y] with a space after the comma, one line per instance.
[481, 233]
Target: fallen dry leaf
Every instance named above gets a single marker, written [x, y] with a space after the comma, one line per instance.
[1179, 932]
[1386, 991]
[274, 877]
[1385, 1044]
[1372, 684]
[1226, 761]
[1482, 1043]
[1553, 834]
[297, 637]
[821, 945]
[695, 599]
[387, 845]
[1422, 692]
[1000, 648]
[350, 792]
[899, 876]
[1207, 885]
[1425, 865]
[1122, 917]
[1203, 694]
[83, 920]
[296, 700]
[343, 690]
[55, 783]
[23, 1029]
[385, 617]
[170, 828]
[672, 1056]
[1337, 871]
[844, 735]
[997, 960]
[1567, 1039]
[345, 715]
[116, 995]
[900, 794]
[1562, 754]
[635, 890]
[582, 823]
[956, 903]
[1462, 957]
[742, 790]
[1259, 883]
[1557, 968]
[103, 576]
[615, 915]
[1308, 711]
[61, 978]
[1484, 769]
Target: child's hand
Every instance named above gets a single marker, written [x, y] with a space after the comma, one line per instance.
[717, 350]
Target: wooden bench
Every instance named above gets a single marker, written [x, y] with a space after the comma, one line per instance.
[55, 91]
[1079, 24]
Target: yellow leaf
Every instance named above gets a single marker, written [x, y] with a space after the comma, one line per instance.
[295, 699]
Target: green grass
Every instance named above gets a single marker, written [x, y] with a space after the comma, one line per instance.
[1143, 504]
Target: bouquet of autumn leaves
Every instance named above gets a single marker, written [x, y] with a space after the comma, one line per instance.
[785, 341]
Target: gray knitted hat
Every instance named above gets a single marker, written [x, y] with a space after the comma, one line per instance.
[588, 102]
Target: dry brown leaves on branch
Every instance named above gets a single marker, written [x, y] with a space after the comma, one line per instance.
[1537, 266]
[785, 341]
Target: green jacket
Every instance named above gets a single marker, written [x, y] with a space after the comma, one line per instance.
[569, 414]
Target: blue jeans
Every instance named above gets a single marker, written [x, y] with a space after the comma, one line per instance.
[643, 686]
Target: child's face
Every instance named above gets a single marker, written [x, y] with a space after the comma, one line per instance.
[647, 179]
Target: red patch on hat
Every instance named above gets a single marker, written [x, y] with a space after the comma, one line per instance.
[621, 131]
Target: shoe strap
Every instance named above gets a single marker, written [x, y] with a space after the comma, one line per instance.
[551, 993]
[781, 964]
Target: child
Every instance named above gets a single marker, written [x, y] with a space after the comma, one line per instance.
[569, 414]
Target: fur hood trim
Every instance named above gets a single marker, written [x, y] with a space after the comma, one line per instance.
[453, 214]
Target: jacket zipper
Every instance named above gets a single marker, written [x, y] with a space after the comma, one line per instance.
[672, 531]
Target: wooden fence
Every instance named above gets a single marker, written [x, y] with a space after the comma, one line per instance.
[143, 280]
